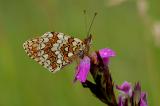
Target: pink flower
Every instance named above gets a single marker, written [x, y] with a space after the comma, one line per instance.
[143, 100]
[105, 54]
[121, 100]
[137, 97]
[126, 88]
[82, 69]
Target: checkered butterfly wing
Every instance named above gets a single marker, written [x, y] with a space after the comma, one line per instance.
[54, 50]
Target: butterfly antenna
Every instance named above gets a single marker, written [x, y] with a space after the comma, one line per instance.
[91, 24]
[85, 20]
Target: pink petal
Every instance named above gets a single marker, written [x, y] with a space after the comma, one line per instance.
[83, 69]
[106, 53]
[143, 100]
[125, 88]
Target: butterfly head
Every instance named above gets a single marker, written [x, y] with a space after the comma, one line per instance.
[87, 43]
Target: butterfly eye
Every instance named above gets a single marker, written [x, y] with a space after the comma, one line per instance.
[81, 54]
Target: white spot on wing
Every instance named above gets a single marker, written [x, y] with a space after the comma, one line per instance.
[77, 40]
[74, 43]
[56, 45]
[59, 61]
[54, 48]
[60, 35]
[40, 62]
[45, 34]
[59, 55]
[46, 65]
[66, 49]
[48, 62]
[50, 35]
[66, 38]
[41, 59]
[42, 45]
[30, 43]
[36, 59]
[70, 54]
[45, 40]
[57, 52]
[59, 41]
[34, 40]
[45, 56]
[64, 63]
[57, 69]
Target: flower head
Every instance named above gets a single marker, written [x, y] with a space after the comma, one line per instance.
[103, 86]
[125, 88]
[82, 69]
[135, 98]
[122, 101]
[137, 93]
[105, 54]
[138, 96]
[143, 100]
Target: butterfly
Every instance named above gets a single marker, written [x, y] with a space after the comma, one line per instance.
[55, 50]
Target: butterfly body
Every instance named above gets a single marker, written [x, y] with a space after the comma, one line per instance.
[54, 50]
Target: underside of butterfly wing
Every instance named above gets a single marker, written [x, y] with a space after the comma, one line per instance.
[54, 50]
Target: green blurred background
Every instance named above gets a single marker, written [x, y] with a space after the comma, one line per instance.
[130, 27]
